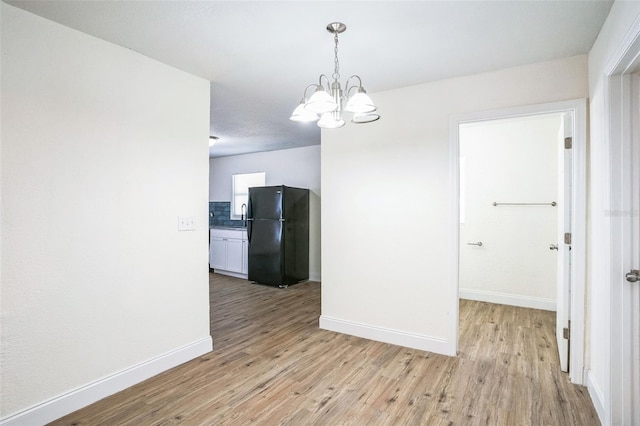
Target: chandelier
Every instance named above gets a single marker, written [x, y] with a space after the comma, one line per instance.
[326, 104]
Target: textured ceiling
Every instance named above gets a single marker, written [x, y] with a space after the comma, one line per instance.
[259, 56]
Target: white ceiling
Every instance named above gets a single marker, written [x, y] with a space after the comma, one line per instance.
[260, 55]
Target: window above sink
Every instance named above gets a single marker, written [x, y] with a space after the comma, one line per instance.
[240, 184]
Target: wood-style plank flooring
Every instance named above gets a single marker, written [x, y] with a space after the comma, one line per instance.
[272, 365]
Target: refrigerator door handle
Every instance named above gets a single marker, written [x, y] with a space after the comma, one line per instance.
[249, 218]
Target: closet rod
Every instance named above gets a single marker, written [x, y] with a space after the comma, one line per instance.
[553, 203]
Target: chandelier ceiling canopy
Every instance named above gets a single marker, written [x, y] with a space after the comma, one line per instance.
[326, 103]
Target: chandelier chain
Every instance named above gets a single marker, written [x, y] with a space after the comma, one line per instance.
[336, 71]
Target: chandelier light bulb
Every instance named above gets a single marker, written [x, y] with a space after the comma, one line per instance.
[302, 114]
[366, 117]
[329, 121]
[321, 102]
[360, 103]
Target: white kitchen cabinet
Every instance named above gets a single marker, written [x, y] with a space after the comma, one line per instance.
[228, 252]
[217, 253]
[234, 255]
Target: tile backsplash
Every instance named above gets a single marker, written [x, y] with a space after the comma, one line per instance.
[220, 215]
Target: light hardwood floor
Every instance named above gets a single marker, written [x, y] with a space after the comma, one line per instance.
[271, 365]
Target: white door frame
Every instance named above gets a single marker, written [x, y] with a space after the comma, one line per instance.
[621, 128]
[578, 225]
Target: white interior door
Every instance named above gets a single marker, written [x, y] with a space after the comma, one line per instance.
[631, 288]
[563, 298]
[633, 317]
[624, 352]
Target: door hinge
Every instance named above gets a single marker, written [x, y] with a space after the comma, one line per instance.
[566, 332]
[568, 143]
[567, 238]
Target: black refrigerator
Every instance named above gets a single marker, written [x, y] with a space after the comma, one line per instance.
[278, 234]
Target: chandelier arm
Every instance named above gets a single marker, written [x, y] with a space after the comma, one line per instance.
[354, 76]
[304, 95]
[328, 82]
[347, 89]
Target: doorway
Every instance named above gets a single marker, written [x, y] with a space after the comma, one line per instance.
[512, 250]
[508, 248]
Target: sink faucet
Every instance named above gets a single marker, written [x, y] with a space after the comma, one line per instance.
[243, 216]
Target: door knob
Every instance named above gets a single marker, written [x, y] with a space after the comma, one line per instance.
[553, 247]
[633, 276]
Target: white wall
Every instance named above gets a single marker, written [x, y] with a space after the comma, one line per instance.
[299, 167]
[510, 161]
[386, 248]
[623, 18]
[102, 149]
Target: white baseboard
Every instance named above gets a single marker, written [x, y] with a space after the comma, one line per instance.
[597, 397]
[313, 276]
[395, 337]
[508, 299]
[230, 274]
[73, 400]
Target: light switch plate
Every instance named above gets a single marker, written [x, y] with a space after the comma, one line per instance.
[186, 223]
